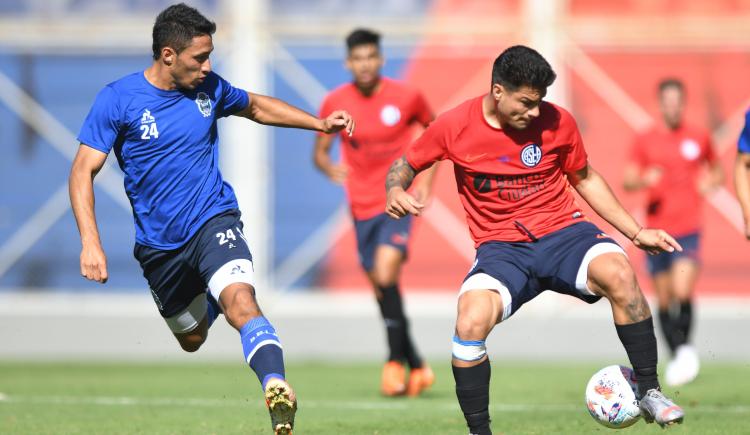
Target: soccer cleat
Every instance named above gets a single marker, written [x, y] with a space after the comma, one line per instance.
[420, 379]
[282, 405]
[656, 407]
[684, 368]
[392, 382]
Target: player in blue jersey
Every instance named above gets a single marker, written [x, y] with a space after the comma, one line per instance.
[742, 173]
[189, 241]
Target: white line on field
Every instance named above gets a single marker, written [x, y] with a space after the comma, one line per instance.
[397, 404]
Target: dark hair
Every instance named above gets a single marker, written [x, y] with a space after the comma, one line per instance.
[522, 66]
[176, 26]
[671, 83]
[362, 37]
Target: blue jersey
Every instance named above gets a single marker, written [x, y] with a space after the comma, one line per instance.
[743, 144]
[166, 143]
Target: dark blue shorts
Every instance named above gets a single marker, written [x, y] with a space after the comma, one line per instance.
[216, 256]
[662, 262]
[522, 270]
[381, 230]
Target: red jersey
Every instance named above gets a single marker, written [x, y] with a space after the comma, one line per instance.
[674, 202]
[384, 129]
[512, 183]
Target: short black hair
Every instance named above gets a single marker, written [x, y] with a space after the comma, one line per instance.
[362, 37]
[176, 26]
[671, 82]
[522, 66]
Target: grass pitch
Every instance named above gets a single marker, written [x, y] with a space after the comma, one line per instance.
[221, 398]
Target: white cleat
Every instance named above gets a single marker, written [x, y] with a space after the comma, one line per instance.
[684, 368]
[656, 407]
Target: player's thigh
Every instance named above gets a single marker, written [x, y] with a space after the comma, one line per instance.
[684, 274]
[611, 275]
[366, 232]
[220, 253]
[387, 265]
[663, 288]
[177, 290]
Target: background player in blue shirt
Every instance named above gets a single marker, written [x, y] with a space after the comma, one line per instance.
[742, 173]
[161, 124]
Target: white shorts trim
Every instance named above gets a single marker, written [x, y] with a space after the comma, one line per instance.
[239, 270]
[582, 277]
[190, 317]
[483, 281]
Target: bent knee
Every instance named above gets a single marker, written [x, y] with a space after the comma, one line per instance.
[616, 280]
[191, 342]
[473, 325]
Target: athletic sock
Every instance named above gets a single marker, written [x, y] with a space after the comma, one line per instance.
[683, 321]
[473, 392]
[212, 309]
[397, 327]
[667, 327]
[262, 349]
[640, 344]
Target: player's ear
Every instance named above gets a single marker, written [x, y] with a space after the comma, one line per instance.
[497, 91]
[348, 62]
[168, 55]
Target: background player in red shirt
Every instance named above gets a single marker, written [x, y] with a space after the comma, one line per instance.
[515, 159]
[670, 161]
[387, 112]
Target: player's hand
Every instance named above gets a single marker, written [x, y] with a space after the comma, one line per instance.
[94, 264]
[655, 241]
[399, 203]
[336, 173]
[337, 121]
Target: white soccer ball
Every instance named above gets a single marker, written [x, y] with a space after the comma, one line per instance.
[610, 397]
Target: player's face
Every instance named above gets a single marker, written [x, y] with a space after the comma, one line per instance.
[365, 62]
[517, 108]
[671, 103]
[192, 65]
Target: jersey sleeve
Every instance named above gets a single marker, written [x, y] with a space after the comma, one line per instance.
[430, 147]
[102, 125]
[575, 157]
[422, 112]
[232, 99]
[743, 144]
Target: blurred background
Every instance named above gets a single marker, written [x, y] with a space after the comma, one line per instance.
[55, 55]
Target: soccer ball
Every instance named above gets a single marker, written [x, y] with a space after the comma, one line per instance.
[610, 397]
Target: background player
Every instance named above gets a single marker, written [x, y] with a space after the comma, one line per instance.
[515, 158]
[670, 161]
[161, 123]
[742, 173]
[387, 111]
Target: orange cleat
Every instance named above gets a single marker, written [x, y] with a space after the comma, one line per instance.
[419, 380]
[392, 383]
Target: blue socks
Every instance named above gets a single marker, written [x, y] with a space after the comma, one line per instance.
[262, 350]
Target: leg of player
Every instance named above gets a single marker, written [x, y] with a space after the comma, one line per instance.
[663, 288]
[263, 352]
[685, 367]
[191, 341]
[478, 312]
[384, 276]
[611, 276]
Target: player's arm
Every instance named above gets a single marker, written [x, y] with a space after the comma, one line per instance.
[742, 186]
[596, 192]
[713, 178]
[86, 165]
[322, 159]
[398, 202]
[272, 111]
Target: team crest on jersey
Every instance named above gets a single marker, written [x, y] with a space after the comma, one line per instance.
[204, 104]
[531, 155]
[390, 115]
[690, 149]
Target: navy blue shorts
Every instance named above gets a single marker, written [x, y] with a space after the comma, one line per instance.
[381, 230]
[216, 256]
[662, 262]
[522, 270]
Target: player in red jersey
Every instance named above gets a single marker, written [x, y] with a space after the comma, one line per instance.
[388, 111]
[515, 160]
[676, 164]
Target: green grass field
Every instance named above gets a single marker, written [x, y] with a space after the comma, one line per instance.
[138, 398]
